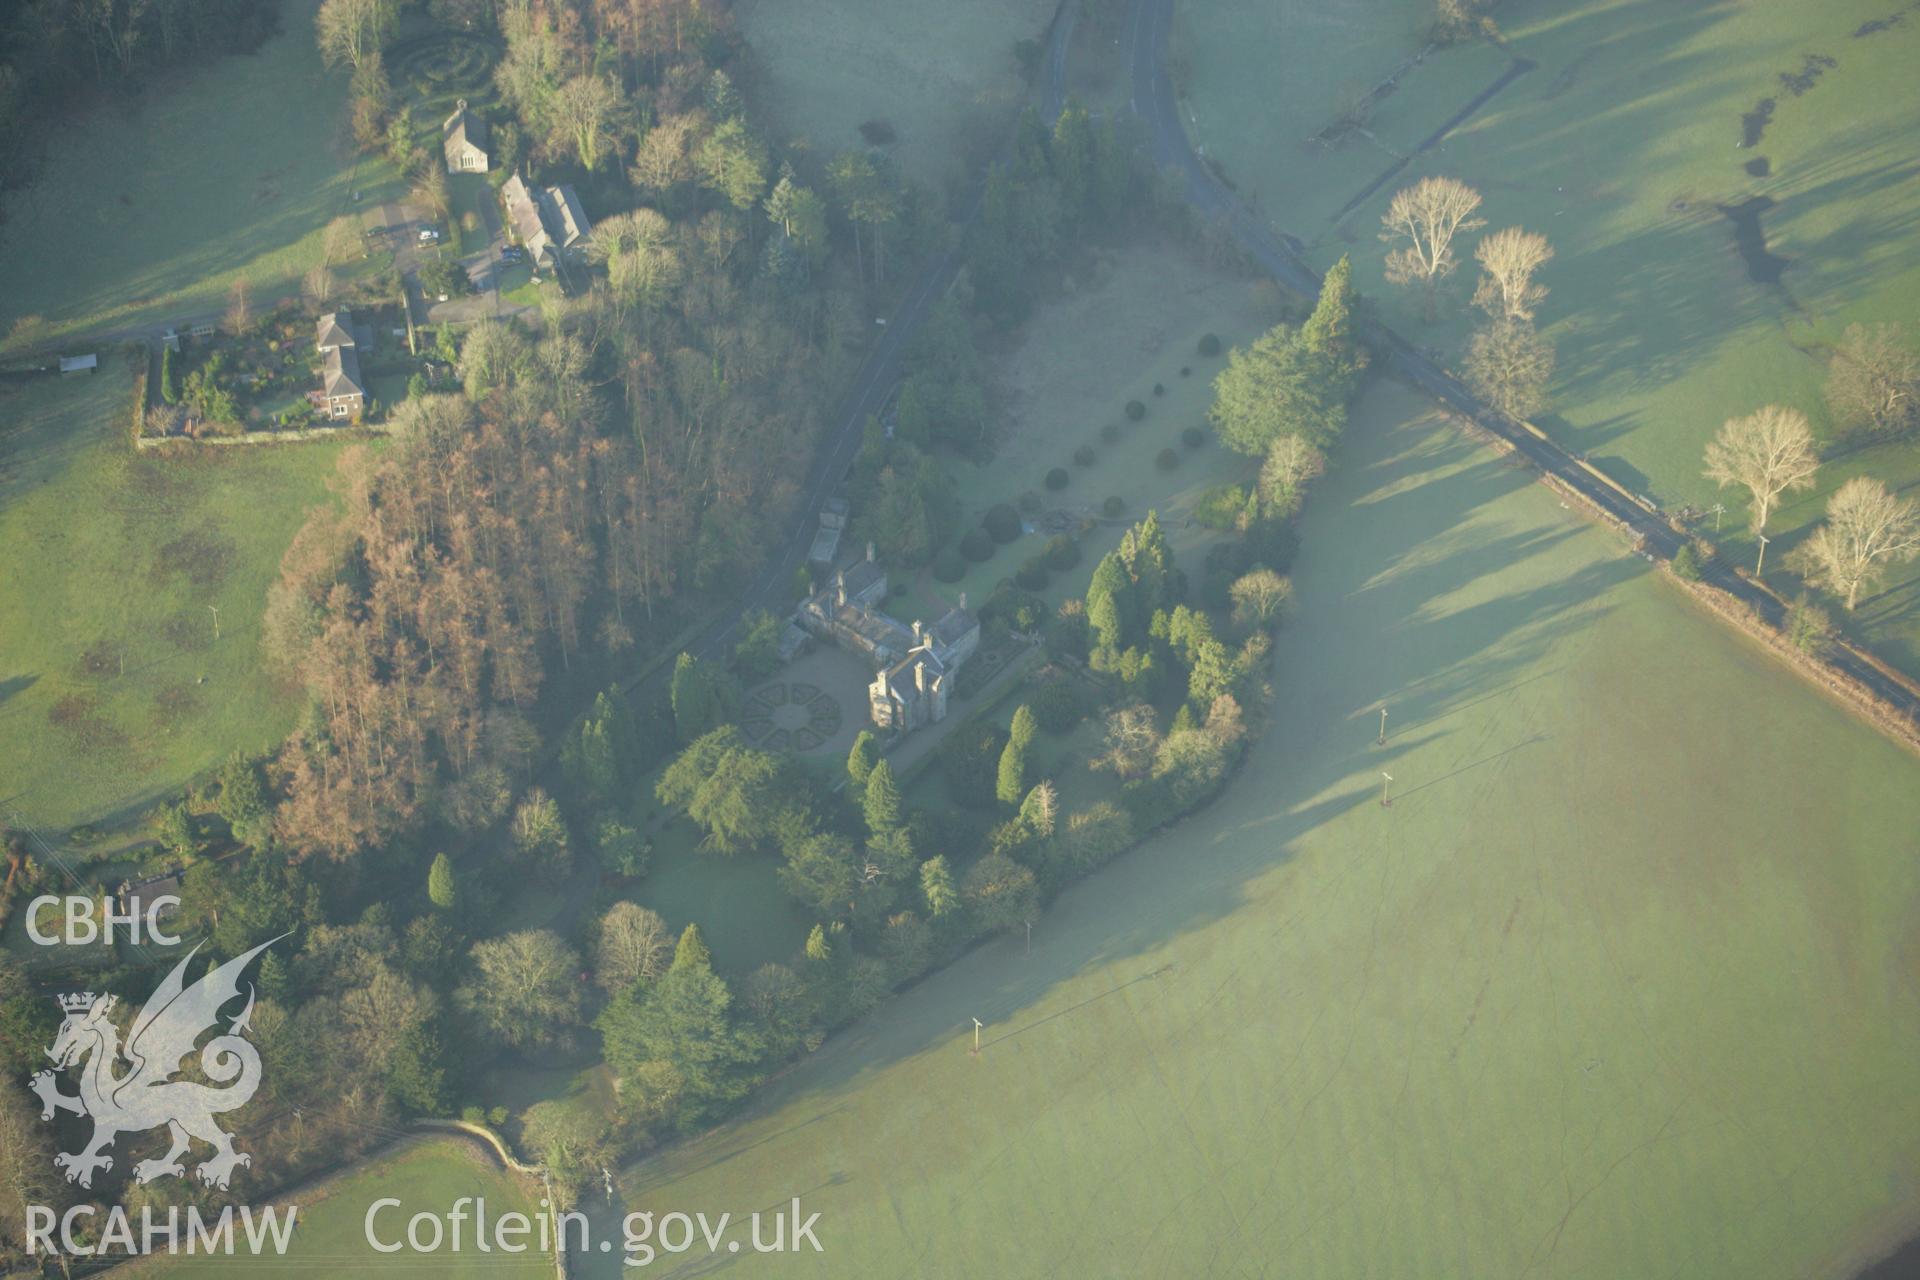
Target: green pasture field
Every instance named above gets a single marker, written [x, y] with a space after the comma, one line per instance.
[329, 1235]
[1622, 144]
[113, 690]
[943, 75]
[1620, 984]
[154, 210]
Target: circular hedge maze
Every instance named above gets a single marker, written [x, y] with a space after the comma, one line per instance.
[790, 717]
[444, 67]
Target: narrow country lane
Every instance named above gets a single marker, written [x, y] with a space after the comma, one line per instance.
[1149, 24]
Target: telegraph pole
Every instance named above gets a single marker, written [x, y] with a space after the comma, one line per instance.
[1764, 540]
[976, 1037]
[1386, 781]
[1383, 727]
[216, 621]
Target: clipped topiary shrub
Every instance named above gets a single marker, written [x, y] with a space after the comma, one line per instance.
[1085, 455]
[1033, 575]
[1110, 432]
[1029, 501]
[1166, 459]
[1159, 389]
[1062, 552]
[949, 566]
[1057, 478]
[1002, 523]
[1209, 344]
[977, 546]
[1056, 704]
[1114, 506]
[1193, 437]
[1135, 411]
[1186, 371]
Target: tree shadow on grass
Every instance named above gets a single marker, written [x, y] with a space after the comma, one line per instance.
[1411, 584]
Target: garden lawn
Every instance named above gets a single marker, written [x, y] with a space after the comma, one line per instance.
[1134, 321]
[1621, 984]
[1621, 145]
[153, 210]
[944, 76]
[329, 1235]
[113, 690]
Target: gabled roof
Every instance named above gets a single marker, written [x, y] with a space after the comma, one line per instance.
[340, 373]
[464, 128]
[899, 678]
[861, 575]
[952, 628]
[570, 223]
[334, 330]
[524, 212]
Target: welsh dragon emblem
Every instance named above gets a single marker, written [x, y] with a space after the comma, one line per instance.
[147, 1095]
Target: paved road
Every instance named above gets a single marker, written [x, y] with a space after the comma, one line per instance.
[879, 374]
[1154, 102]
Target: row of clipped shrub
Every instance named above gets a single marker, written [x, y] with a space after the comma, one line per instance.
[1001, 524]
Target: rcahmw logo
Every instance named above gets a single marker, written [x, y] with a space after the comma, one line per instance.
[147, 1095]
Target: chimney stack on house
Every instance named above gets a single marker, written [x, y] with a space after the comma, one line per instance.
[869, 551]
[920, 676]
[963, 601]
[840, 588]
[917, 636]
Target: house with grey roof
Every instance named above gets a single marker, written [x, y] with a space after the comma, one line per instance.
[463, 137]
[916, 664]
[342, 391]
[333, 330]
[546, 221]
[340, 384]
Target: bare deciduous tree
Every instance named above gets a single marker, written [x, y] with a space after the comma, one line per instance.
[1867, 528]
[633, 945]
[432, 192]
[1458, 19]
[318, 285]
[1291, 462]
[1767, 453]
[239, 307]
[1872, 380]
[1428, 216]
[583, 111]
[1258, 596]
[665, 158]
[1509, 365]
[1508, 258]
[350, 31]
[1133, 736]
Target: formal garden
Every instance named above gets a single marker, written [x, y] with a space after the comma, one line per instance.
[267, 375]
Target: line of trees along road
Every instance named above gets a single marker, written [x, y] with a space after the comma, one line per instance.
[1872, 391]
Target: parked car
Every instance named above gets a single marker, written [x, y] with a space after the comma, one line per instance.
[513, 253]
[428, 235]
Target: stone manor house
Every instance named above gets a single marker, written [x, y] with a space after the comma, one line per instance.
[916, 664]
